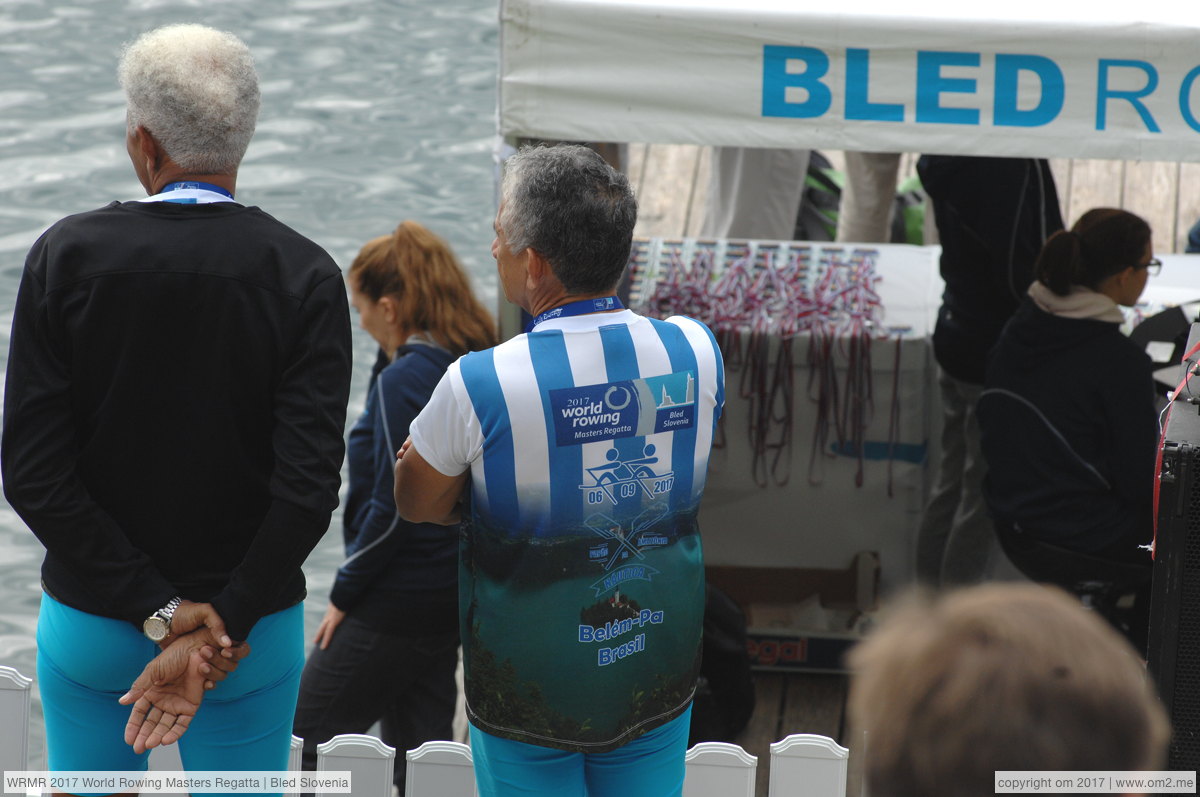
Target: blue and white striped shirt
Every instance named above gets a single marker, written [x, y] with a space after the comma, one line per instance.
[582, 583]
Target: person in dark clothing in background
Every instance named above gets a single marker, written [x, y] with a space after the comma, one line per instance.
[1069, 422]
[387, 647]
[992, 215]
[1068, 411]
[1193, 240]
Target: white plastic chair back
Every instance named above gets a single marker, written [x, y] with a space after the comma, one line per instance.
[808, 765]
[368, 760]
[14, 720]
[718, 769]
[165, 758]
[440, 769]
[294, 760]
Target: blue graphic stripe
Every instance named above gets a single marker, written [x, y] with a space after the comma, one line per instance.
[499, 461]
[719, 360]
[620, 358]
[683, 441]
[552, 369]
[882, 450]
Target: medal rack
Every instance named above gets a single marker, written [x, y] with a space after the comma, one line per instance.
[758, 297]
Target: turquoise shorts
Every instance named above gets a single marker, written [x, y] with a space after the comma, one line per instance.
[86, 662]
[651, 765]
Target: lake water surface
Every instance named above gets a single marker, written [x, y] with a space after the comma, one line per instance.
[373, 112]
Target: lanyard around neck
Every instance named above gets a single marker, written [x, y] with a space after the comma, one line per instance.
[581, 307]
[191, 192]
[194, 184]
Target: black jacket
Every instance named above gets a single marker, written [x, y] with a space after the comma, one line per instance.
[993, 215]
[174, 407]
[1069, 430]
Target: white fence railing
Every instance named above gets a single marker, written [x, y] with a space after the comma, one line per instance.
[802, 764]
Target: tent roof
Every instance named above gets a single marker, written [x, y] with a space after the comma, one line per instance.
[1168, 12]
[1021, 77]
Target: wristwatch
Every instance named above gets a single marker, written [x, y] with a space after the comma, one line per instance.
[158, 625]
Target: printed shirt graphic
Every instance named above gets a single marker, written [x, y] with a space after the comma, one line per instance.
[582, 580]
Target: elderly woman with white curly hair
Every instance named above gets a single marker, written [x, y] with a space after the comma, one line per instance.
[175, 399]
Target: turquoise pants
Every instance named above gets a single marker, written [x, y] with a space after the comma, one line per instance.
[86, 662]
[650, 766]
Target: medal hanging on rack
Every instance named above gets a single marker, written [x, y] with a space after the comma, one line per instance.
[757, 302]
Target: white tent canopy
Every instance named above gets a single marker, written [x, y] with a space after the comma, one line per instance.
[1019, 78]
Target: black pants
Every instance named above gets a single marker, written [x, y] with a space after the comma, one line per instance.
[406, 683]
[1122, 565]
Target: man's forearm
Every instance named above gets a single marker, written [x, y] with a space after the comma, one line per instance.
[423, 494]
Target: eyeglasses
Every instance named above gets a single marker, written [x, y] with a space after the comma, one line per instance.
[1153, 266]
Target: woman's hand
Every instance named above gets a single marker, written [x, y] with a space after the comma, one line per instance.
[329, 623]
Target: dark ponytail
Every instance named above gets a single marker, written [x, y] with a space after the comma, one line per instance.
[1103, 242]
[1060, 263]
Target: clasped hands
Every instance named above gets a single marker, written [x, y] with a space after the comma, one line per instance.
[196, 655]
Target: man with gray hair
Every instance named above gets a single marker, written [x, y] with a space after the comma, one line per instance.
[173, 416]
[581, 448]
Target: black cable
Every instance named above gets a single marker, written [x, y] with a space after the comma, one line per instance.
[1012, 242]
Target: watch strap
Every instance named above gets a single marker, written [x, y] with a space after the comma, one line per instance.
[168, 612]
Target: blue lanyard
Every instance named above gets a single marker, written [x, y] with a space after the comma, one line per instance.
[581, 307]
[180, 186]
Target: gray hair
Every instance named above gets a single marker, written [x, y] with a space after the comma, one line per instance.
[573, 209]
[196, 91]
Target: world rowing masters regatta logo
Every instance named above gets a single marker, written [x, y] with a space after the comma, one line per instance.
[629, 408]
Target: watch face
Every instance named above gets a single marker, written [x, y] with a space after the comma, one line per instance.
[155, 628]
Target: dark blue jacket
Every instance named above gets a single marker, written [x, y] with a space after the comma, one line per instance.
[399, 577]
[1069, 430]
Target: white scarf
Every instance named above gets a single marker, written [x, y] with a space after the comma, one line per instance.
[1080, 303]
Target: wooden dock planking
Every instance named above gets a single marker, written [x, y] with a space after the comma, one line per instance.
[1189, 202]
[1150, 190]
[699, 194]
[789, 703]
[1093, 184]
[763, 728]
[672, 186]
[1063, 177]
[813, 704]
[665, 178]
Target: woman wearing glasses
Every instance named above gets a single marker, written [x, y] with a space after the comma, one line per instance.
[1067, 415]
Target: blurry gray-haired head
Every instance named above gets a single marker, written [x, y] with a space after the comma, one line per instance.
[195, 89]
[567, 204]
[950, 689]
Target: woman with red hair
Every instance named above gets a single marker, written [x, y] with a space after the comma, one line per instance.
[387, 647]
